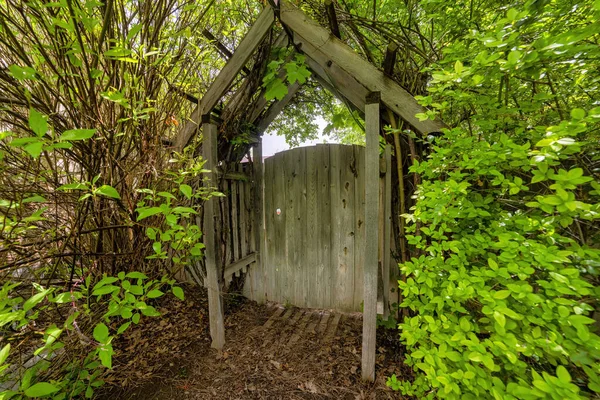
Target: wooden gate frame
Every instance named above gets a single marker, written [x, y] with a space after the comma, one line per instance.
[351, 78]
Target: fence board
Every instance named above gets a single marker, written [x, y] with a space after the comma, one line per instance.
[312, 226]
[323, 249]
[359, 226]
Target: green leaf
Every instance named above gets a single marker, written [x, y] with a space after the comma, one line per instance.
[136, 275]
[105, 290]
[178, 292]
[147, 212]
[500, 318]
[101, 333]
[563, 374]
[276, 90]
[577, 113]
[123, 327]
[38, 122]
[34, 300]
[514, 56]
[105, 353]
[108, 191]
[136, 318]
[502, 294]
[458, 67]
[77, 134]
[41, 389]
[4, 353]
[186, 190]
[153, 294]
[34, 149]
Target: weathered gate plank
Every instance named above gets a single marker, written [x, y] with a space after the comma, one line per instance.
[345, 280]
[312, 227]
[336, 231]
[359, 226]
[323, 249]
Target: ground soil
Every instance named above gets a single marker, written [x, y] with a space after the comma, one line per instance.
[171, 358]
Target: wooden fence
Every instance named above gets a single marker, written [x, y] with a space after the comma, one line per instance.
[314, 207]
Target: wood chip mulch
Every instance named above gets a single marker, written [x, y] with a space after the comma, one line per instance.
[171, 358]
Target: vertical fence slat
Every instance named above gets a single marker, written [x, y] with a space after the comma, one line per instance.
[323, 249]
[243, 214]
[270, 216]
[336, 231]
[312, 229]
[359, 227]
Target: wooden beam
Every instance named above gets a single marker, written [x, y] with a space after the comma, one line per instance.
[332, 17]
[240, 57]
[369, 345]
[392, 94]
[276, 108]
[215, 310]
[239, 264]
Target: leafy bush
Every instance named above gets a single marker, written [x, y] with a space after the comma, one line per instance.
[503, 281]
[128, 296]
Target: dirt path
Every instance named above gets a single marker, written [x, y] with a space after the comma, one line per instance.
[271, 353]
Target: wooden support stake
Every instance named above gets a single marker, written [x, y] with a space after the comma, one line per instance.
[390, 59]
[387, 231]
[332, 17]
[215, 310]
[371, 221]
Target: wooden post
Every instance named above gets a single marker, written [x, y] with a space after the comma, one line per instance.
[372, 232]
[260, 218]
[215, 310]
[387, 230]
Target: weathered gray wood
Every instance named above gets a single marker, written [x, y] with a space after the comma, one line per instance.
[359, 227]
[260, 245]
[300, 214]
[387, 231]
[312, 230]
[249, 243]
[323, 249]
[336, 232]
[345, 281]
[323, 324]
[243, 216]
[235, 219]
[217, 327]
[332, 328]
[274, 317]
[280, 196]
[269, 261]
[300, 328]
[369, 344]
[392, 94]
[227, 223]
[239, 264]
[289, 277]
[247, 46]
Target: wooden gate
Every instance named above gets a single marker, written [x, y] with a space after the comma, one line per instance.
[314, 207]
